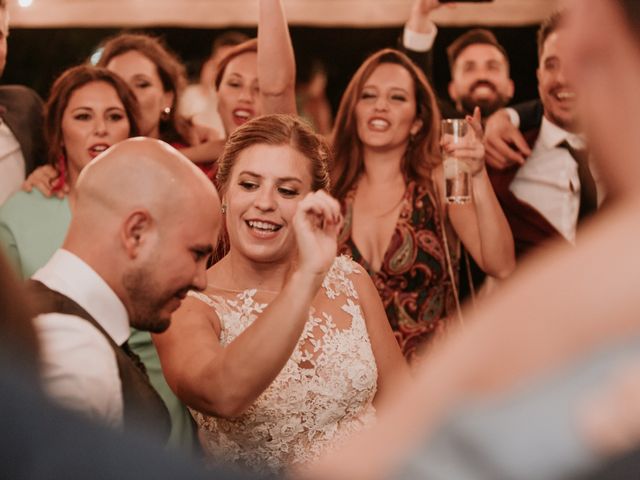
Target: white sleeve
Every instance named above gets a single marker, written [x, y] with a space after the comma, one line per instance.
[513, 116]
[418, 41]
[79, 368]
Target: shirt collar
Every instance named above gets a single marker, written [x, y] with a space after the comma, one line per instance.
[66, 273]
[552, 135]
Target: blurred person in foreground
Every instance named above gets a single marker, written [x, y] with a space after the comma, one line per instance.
[553, 388]
[40, 440]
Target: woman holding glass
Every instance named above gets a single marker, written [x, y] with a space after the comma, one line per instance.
[388, 175]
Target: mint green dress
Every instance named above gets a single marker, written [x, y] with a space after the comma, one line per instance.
[32, 228]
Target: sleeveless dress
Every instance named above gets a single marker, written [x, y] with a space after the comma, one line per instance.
[413, 281]
[323, 393]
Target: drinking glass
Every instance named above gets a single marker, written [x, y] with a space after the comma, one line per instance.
[457, 172]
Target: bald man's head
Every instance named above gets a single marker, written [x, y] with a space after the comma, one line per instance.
[146, 219]
[140, 172]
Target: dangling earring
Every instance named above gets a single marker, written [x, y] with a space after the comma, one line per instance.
[166, 111]
[223, 208]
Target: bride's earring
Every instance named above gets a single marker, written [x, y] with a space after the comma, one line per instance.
[223, 208]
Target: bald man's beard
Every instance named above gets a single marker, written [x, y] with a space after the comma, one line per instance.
[147, 302]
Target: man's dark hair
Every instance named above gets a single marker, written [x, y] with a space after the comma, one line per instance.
[552, 23]
[472, 37]
[631, 10]
[227, 39]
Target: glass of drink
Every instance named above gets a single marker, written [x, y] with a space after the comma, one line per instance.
[457, 172]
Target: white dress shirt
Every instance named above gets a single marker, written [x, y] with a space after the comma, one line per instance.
[78, 365]
[419, 41]
[12, 169]
[548, 180]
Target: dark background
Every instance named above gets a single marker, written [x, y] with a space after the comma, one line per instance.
[37, 56]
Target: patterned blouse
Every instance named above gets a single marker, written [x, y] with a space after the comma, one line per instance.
[413, 281]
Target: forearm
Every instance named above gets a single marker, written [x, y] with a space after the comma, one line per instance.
[276, 61]
[495, 237]
[419, 20]
[205, 152]
[249, 364]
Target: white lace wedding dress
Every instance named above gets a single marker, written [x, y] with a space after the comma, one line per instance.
[323, 393]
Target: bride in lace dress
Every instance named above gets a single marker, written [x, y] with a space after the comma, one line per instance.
[288, 348]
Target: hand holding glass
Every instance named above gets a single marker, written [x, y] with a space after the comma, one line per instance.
[456, 133]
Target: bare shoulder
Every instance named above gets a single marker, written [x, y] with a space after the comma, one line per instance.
[197, 313]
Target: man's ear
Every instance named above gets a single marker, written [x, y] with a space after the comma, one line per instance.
[135, 231]
[511, 90]
[452, 92]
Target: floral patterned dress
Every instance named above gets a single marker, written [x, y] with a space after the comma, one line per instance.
[323, 393]
[413, 280]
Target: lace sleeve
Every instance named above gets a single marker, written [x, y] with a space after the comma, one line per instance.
[338, 281]
[202, 297]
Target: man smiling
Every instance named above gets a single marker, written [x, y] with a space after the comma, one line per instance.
[479, 73]
[553, 188]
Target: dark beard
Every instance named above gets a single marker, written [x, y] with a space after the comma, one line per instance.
[145, 304]
[487, 107]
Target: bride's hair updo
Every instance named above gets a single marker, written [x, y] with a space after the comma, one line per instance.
[277, 129]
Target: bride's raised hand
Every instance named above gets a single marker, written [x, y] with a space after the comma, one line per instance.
[316, 223]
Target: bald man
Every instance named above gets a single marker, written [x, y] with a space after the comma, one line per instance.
[144, 220]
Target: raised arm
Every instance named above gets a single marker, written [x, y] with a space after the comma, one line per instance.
[226, 381]
[481, 224]
[419, 34]
[276, 62]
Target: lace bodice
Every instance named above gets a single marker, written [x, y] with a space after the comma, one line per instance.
[323, 393]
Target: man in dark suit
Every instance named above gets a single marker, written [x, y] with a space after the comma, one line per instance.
[21, 140]
[542, 177]
[479, 64]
